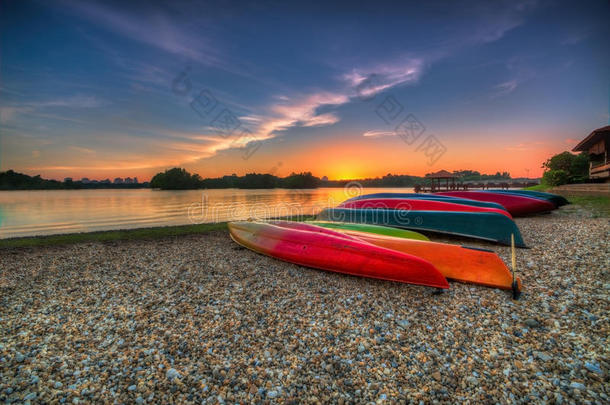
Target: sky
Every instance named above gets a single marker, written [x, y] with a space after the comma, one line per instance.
[115, 89]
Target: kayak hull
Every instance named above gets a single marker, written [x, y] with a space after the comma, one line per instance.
[480, 225]
[553, 198]
[333, 251]
[368, 228]
[418, 205]
[515, 204]
[430, 197]
[455, 262]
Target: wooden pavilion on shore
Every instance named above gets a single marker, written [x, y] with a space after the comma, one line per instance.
[446, 181]
[436, 182]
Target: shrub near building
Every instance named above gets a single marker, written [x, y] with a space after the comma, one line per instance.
[566, 168]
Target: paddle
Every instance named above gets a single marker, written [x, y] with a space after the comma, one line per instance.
[515, 286]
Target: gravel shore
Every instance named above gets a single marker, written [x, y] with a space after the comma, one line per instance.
[200, 319]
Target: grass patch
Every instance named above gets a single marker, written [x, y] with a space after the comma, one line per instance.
[125, 234]
[599, 205]
[106, 236]
[538, 187]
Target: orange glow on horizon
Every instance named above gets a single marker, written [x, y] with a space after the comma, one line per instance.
[356, 158]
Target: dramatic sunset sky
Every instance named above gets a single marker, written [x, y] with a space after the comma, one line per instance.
[126, 88]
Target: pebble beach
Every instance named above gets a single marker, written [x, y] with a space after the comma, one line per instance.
[199, 319]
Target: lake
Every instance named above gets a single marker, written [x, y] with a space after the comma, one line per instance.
[46, 212]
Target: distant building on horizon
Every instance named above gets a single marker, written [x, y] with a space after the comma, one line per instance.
[324, 178]
[68, 180]
[118, 180]
[85, 180]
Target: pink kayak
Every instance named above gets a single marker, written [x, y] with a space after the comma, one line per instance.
[515, 204]
[412, 204]
[325, 249]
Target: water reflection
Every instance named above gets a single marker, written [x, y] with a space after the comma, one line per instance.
[25, 213]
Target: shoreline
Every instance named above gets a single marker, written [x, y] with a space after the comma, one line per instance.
[599, 206]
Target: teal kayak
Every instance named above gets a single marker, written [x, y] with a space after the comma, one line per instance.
[554, 198]
[368, 228]
[433, 197]
[480, 225]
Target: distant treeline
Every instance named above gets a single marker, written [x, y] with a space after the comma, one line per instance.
[11, 180]
[180, 179]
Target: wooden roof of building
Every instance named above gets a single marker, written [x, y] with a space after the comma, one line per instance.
[592, 139]
[442, 174]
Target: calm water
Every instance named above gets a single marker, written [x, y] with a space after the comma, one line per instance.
[26, 213]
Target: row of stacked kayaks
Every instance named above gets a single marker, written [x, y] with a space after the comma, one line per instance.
[377, 236]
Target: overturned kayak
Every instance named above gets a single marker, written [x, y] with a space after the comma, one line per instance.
[334, 251]
[430, 197]
[554, 198]
[455, 262]
[489, 226]
[368, 228]
[515, 204]
[416, 204]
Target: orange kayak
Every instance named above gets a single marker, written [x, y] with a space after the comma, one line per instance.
[455, 262]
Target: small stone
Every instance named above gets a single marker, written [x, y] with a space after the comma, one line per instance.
[139, 400]
[472, 380]
[532, 323]
[361, 348]
[132, 387]
[436, 375]
[172, 373]
[19, 357]
[57, 385]
[272, 394]
[558, 398]
[30, 397]
[542, 356]
[403, 323]
[593, 367]
[577, 386]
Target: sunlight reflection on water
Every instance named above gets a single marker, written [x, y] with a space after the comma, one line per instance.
[26, 213]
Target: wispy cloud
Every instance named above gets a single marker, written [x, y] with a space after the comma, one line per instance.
[303, 110]
[504, 88]
[524, 146]
[8, 114]
[80, 149]
[377, 134]
[167, 35]
[575, 38]
[77, 101]
[370, 81]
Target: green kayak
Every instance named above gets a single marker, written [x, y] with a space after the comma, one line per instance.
[376, 229]
[480, 225]
[554, 198]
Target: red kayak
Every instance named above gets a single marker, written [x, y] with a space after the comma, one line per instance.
[329, 250]
[515, 204]
[412, 204]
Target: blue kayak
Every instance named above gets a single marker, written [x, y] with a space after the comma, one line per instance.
[489, 226]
